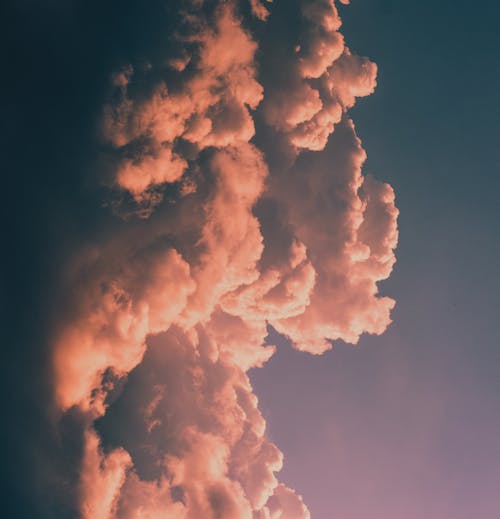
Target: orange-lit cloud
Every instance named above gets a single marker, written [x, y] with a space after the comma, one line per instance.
[180, 303]
[320, 80]
[209, 108]
[347, 222]
[259, 10]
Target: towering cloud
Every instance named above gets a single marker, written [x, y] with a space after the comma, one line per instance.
[233, 233]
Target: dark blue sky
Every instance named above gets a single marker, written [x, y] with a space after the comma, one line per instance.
[408, 422]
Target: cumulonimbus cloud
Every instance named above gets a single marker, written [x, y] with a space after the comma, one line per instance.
[181, 313]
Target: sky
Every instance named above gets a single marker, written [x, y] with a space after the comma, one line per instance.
[191, 223]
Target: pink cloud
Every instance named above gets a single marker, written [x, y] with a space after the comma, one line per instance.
[231, 237]
[285, 503]
[181, 302]
[350, 77]
[350, 254]
[148, 500]
[259, 10]
[115, 317]
[210, 109]
[218, 462]
[137, 175]
[102, 478]
[323, 80]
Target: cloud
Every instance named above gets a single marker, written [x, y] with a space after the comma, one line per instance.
[347, 222]
[102, 477]
[316, 80]
[231, 238]
[193, 409]
[285, 503]
[171, 311]
[209, 106]
[116, 313]
[259, 10]
[136, 176]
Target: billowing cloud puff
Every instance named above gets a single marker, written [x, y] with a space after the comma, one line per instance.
[350, 77]
[347, 222]
[208, 106]
[102, 477]
[194, 409]
[259, 10]
[171, 311]
[318, 81]
[284, 504]
[321, 44]
[136, 176]
[231, 238]
[116, 315]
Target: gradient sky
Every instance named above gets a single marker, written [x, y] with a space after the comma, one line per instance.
[409, 422]
[402, 426]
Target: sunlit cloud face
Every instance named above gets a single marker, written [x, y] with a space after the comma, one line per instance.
[288, 233]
